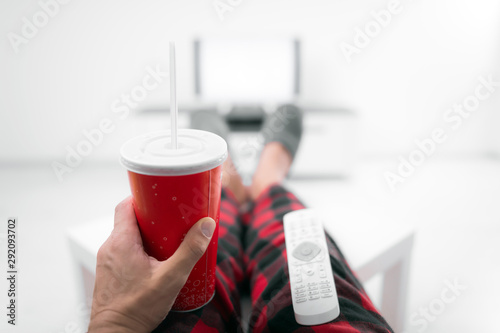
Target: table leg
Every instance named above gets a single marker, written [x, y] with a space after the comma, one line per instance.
[395, 289]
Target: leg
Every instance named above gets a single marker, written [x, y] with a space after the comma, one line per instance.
[274, 163]
[265, 254]
[211, 121]
[395, 286]
[223, 313]
[232, 181]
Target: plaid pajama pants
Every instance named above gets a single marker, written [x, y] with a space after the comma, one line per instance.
[252, 257]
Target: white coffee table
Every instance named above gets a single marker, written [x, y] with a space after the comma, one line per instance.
[370, 251]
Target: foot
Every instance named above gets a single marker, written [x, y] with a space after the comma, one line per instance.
[284, 126]
[282, 132]
[274, 164]
[211, 121]
[232, 181]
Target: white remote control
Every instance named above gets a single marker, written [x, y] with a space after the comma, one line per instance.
[314, 295]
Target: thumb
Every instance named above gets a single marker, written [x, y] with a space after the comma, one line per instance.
[193, 246]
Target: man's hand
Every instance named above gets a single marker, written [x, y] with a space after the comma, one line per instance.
[134, 292]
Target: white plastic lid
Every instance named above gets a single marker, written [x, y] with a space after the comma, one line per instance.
[150, 154]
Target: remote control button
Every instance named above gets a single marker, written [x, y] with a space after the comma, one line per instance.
[306, 251]
[298, 278]
[322, 274]
[328, 290]
[313, 293]
[300, 300]
[309, 272]
[313, 297]
[326, 295]
[312, 288]
[312, 284]
[300, 290]
[323, 286]
[300, 294]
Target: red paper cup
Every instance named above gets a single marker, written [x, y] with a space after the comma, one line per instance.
[172, 189]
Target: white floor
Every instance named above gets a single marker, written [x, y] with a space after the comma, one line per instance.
[453, 203]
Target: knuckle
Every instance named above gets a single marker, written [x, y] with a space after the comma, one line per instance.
[121, 205]
[102, 253]
[111, 245]
[118, 207]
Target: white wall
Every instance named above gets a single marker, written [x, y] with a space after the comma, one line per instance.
[429, 57]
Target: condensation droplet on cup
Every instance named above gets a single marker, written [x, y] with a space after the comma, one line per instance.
[152, 222]
[174, 198]
[161, 247]
[156, 194]
[154, 186]
[164, 238]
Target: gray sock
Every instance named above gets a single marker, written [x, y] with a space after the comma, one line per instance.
[210, 121]
[284, 126]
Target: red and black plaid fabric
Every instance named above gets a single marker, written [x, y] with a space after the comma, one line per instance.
[223, 313]
[252, 251]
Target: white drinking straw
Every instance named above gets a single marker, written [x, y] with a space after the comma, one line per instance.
[173, 97]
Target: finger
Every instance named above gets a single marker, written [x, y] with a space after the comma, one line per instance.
[125, 220]
[191, 249]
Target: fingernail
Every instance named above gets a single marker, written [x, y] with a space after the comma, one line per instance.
[208, 227]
